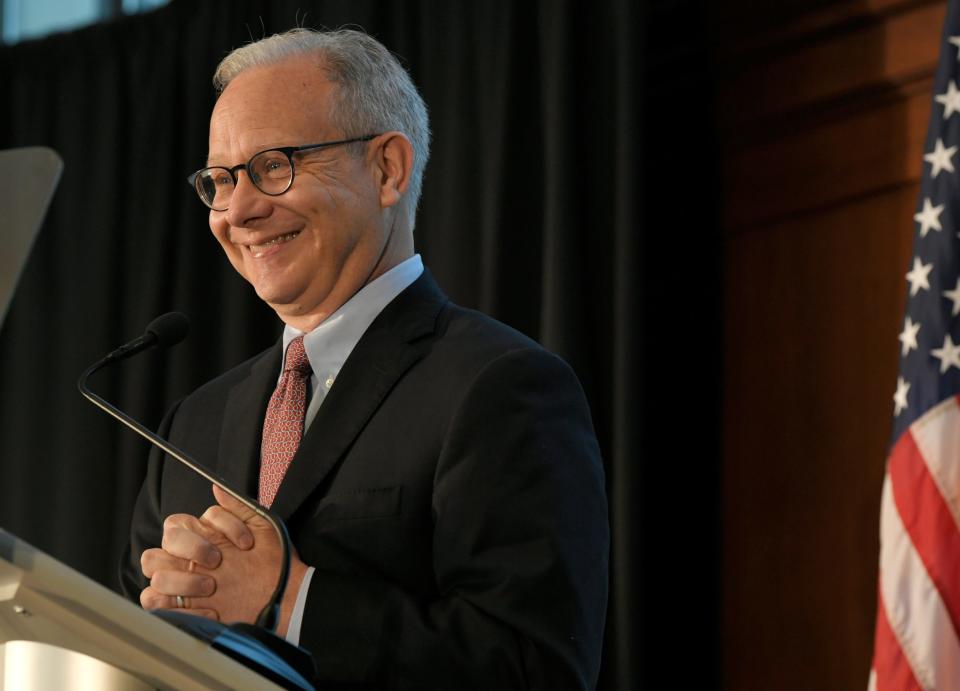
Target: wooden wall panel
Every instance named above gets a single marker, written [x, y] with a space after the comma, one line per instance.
[888, 49]
[812, 309]
[823, 120]
[840, 158]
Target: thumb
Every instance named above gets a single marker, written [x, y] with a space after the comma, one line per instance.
[234, 506]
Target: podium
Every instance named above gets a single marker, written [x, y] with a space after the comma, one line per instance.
[61, 630]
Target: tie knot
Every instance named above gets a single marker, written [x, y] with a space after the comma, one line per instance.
[297, 357]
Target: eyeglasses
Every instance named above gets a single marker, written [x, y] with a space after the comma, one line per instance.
[271, 171]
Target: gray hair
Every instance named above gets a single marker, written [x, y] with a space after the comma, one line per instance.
[375, 92]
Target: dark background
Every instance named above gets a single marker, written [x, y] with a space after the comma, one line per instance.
[573, 193]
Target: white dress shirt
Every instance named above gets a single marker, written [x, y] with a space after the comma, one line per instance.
[327, 348]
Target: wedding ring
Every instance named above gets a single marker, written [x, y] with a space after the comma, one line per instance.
[180, 602]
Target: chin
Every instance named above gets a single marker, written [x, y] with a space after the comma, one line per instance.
[285, 301]
[277, 300]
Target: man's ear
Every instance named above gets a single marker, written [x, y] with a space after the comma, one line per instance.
[394, 163]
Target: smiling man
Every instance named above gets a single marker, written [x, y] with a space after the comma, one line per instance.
[438, 471]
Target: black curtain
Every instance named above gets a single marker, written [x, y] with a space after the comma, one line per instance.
[571, 194]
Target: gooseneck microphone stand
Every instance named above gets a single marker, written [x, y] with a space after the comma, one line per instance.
[164, 331]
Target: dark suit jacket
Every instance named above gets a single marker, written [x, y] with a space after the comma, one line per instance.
[450, 494]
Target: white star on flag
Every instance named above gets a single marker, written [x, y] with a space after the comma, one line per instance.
[900, 397]
[940, 158]
[929, 217]
[949, 100]
[918, 276]
[908, 337]
[954, 296]
[948, 355]
[955, 40]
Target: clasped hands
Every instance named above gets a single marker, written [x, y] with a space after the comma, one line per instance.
[224, 565]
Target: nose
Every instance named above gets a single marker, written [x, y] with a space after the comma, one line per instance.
[247, 204]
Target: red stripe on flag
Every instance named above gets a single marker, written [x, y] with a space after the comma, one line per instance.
[892, 668]
[928, 521]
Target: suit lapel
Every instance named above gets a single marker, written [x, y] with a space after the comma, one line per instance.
[393, 343]
[239, 453]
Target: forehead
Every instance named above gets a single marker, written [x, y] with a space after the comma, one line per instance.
[286, 104]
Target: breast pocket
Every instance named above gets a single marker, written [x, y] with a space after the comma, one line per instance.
[378, 532]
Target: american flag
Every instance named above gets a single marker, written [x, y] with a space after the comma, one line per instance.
[917, 643]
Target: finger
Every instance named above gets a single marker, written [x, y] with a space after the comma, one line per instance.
[151, 599]
[183, 583]
[229, 525]
[187, 522]
[186, 544]
[187, 538]
[234, 506]
[152, 560]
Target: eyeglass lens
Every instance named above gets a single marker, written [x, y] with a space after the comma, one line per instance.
[270, 171]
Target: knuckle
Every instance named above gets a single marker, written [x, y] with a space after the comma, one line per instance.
[178, 522]
[158, 581]
[166, 541]
[148, 561]
[148, 598]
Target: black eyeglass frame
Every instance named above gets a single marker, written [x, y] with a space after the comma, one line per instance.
[288, 151]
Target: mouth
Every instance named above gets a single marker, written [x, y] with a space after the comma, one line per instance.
[264, 248]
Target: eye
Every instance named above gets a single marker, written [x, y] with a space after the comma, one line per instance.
[270, 165]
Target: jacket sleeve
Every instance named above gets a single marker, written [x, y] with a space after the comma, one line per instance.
[520, 549]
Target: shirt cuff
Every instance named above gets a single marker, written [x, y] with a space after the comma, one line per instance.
[296, 618]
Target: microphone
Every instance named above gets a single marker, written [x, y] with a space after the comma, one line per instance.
[294, 665]
[164, 331]
[167, 330]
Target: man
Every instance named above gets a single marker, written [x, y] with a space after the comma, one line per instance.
[438, 472]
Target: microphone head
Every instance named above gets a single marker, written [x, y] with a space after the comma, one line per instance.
[169, 329]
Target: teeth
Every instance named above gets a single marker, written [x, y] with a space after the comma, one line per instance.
[281, 238]
[258, 250]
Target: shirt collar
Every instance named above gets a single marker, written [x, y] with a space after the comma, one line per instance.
[332, 341]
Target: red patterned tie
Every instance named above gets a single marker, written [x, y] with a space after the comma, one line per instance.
[283, 425]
